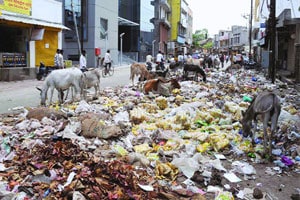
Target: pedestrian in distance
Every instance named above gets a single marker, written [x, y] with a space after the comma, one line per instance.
[82, 61]
[107, 61]
[56, 58]
[60, 59]
[222, 59]
[149, 60]
[160, 61]
[180, 59]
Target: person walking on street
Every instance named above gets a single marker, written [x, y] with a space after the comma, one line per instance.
[180, 59]
[160, 60]
[149, 60]
[107, 61]
[56, 64]
[222, 60]
[82, 61]
[61, 59]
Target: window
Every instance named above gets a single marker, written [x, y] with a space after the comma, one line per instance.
[103, 28]
[80, 12]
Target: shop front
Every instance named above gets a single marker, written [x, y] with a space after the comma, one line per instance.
[27, 37]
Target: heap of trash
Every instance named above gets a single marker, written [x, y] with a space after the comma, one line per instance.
[127, 145]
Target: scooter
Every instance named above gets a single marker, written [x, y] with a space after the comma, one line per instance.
[43, 71]
[149, 66]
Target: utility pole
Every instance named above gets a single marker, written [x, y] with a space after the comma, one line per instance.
[75, 26]
[81, 22]
[250, 29]
[272, 31]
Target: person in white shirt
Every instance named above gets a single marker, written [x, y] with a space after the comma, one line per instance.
[82, 61]
[56, 58]
[160, 60]
[149, 60]
[107, 60]
[180, 59]
[60, 59]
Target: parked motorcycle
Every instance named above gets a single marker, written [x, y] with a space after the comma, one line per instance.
[149, 66]
[43, 71]
[250, 64]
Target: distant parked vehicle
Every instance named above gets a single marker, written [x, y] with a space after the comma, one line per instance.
[249, 63]
[43, 71]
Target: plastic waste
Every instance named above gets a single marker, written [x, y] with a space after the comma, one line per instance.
[288, 162]
[247, 98]
[276, 152]
[236, 150]
[203, 147]
[254, 79]
[279, 163]
[243, 168]
[47, 192]
[120, 150]
[224, 195]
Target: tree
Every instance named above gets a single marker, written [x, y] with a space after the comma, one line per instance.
[208, 45]
[198, 36]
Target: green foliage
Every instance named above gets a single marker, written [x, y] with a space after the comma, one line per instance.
[208, 45]
[198, 36]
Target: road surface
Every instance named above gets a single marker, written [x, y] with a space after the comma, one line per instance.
[24, 93]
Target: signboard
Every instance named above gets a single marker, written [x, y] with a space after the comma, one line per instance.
[17, 6]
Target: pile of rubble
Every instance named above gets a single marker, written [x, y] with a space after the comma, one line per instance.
[127, 145]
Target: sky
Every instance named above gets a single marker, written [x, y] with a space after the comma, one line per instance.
[216, 15]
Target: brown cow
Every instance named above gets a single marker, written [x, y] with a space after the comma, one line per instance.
[161, 86]
[139, 69]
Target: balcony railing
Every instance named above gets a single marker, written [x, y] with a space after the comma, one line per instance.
[165, 22]
[165, 4]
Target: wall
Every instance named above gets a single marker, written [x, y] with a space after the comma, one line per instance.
[97, 10]
[44, 50]
[175, 18]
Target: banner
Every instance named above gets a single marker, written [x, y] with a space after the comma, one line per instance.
[16, 6]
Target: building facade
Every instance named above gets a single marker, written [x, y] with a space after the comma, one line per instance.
[161, 21]
[94, 28]
[181, 27]
[287, 35]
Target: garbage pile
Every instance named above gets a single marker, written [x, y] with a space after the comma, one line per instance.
[127, 145]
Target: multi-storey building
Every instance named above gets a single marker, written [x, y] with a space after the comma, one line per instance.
[235, 40]
[287, 34]
[162, 25]
[94, 26]
[29, 35]
[181, 27]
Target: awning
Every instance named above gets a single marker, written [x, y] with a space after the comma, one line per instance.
[126, 22]
[28, 20]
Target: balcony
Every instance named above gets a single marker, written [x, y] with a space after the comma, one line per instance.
[165, 5]
[165, 22]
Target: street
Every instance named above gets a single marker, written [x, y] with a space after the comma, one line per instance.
[24, 93]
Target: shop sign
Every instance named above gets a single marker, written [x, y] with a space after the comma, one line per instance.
[17, 6]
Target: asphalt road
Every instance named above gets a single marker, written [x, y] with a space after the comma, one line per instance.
[16, 94]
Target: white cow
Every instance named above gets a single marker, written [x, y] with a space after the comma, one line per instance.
[91, 79]
[61, 80]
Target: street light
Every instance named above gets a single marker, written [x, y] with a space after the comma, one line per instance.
[121, 37]
[153, 48]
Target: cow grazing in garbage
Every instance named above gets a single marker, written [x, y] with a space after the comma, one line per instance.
[139, 69]
[91, 78]
[61, 80]
[161, 86]
[266, 104]
[195, 69]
